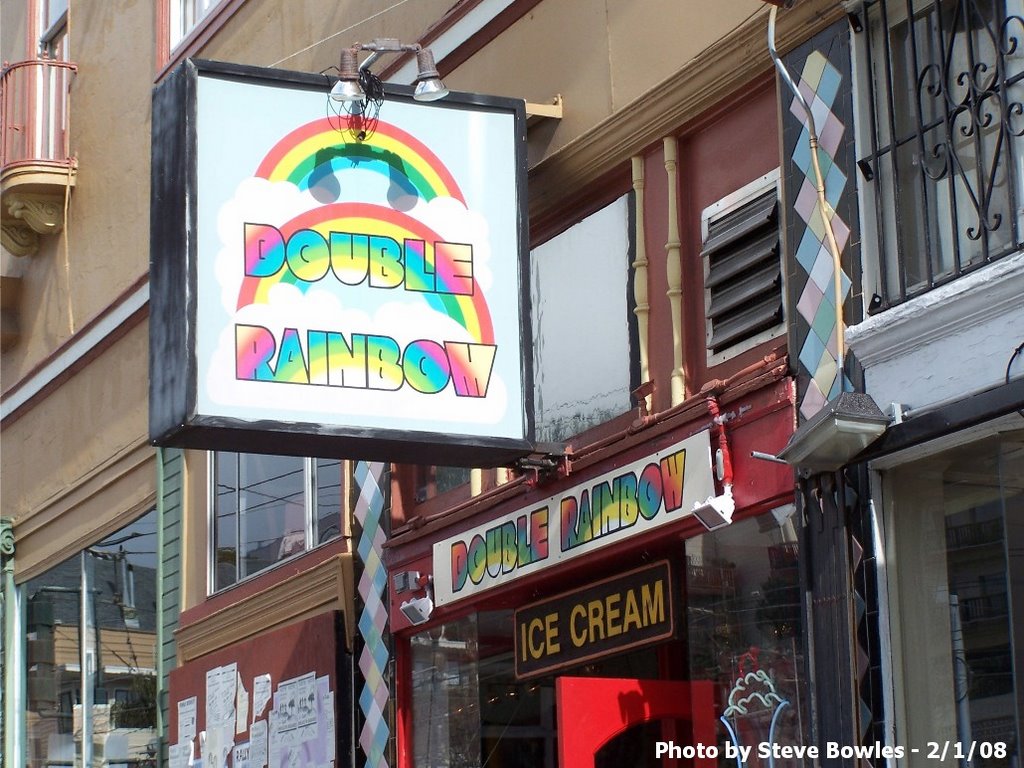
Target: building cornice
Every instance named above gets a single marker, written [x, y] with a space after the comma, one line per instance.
[326, 586]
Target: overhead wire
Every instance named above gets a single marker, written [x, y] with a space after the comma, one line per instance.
[340, 32]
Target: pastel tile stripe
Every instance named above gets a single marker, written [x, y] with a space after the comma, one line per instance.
[373, 660]
[820, 84]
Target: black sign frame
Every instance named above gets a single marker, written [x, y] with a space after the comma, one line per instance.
[174, 420]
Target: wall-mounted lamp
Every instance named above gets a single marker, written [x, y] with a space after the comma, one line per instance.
[418, 609]
[354, 79]
[836, 434]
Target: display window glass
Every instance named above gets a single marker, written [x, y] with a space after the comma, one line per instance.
[90, 660]
[745, 630]
[956, 574]
[740, 631]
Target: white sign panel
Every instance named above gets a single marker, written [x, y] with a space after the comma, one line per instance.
[633, 499]
[356, 273]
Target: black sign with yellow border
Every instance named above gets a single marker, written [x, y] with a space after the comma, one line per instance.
[626, 611]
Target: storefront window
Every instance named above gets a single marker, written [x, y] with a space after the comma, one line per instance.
[469, 710]
[741, 634]
[957, 574]
[96, 612]
[744, 626]
[446, 696]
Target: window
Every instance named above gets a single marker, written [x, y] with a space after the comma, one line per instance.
[742, 269]
[269, 508]
[955, 530]
[433, 481]
[469, 709]
[53, 21]
[745, 628]
[583, 327]
[943, 83]
[106, 716]
[185, 15]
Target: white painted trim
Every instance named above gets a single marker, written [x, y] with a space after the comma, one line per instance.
[948, 309]
[28, 388]
[885, 632]
[1008, 423]
[461, 31]
[114, 670]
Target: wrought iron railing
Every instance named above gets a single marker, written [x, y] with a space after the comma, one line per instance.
[945, 80]
[974, 534]
[34, 113]
[984, 607]
[719, 579]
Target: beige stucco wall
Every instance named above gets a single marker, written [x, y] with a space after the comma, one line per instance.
[104, 247]
[76, 463]
[78, 466]
[600, 55]
[308, 36]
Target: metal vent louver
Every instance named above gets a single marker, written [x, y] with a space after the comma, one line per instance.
[743, 284]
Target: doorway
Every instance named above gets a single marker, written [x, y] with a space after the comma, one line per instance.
[601, 721]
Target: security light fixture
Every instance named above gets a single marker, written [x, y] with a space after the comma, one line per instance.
[716, 512]
[354, 80]
[836, 434]
[347, 88]
[428, 82]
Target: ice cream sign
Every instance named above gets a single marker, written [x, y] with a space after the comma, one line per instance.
[336, 283]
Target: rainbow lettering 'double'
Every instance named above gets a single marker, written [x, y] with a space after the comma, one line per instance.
[312, 150]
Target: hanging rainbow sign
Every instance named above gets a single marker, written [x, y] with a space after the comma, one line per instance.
[357, 280]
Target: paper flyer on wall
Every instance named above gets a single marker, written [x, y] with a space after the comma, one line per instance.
[261, 685]
[220, 696]
[309, 745]
[241, 706]
[187, 719]
[258, 755]
[295, 703]
[241, 755]
[180, 755]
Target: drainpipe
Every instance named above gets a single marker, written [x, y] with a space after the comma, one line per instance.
[723, 458]
[823, 206]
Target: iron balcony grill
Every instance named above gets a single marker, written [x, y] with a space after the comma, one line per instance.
[943, 80]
